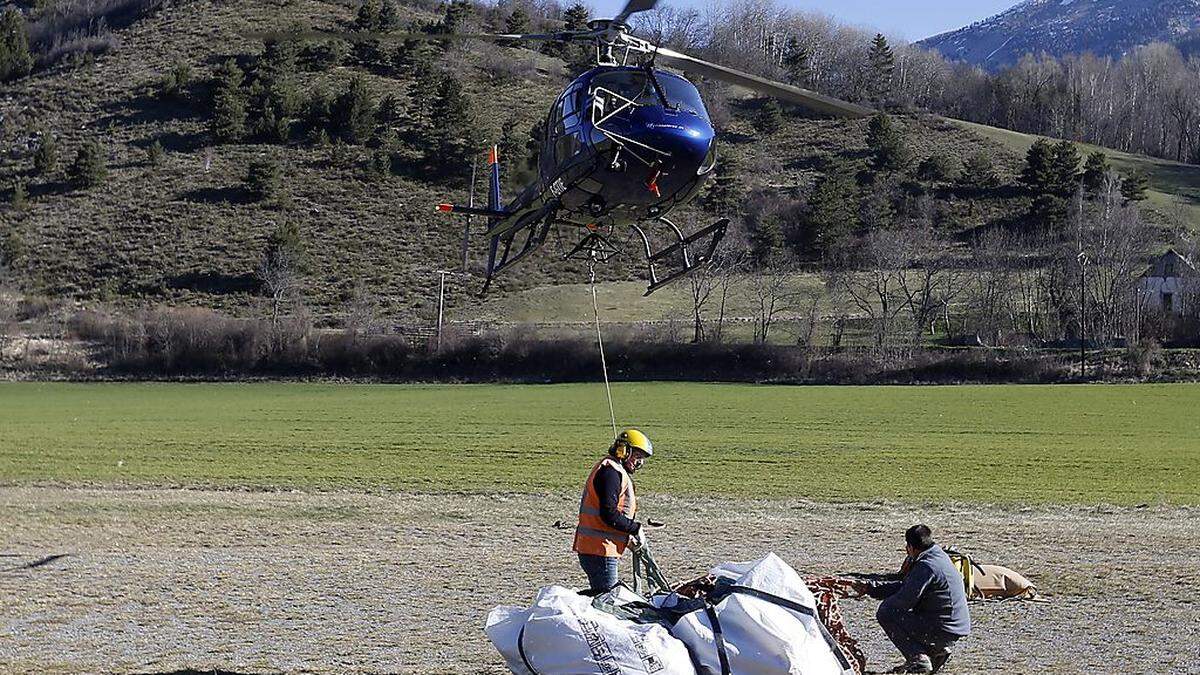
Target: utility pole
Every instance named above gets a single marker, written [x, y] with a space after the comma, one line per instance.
[441, 305]
[441, 312]
[1082, 309]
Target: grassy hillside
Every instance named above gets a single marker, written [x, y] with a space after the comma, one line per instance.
[1104, 444]
[1174, 186]
[186, 231]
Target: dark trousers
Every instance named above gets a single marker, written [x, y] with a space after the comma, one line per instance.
[912, 633]
[601, 572]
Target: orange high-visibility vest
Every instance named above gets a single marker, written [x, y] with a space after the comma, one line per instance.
[592, 535]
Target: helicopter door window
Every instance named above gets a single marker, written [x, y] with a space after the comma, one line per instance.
[566, 148]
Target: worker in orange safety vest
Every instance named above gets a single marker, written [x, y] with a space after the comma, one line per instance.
[606, 511]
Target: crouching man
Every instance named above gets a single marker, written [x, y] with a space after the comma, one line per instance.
[925, 613]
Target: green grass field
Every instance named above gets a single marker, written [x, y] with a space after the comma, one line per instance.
[1085, 444]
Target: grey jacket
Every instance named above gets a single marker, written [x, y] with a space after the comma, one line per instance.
[933, 589]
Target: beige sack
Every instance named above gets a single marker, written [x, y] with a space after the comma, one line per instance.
[994, 581]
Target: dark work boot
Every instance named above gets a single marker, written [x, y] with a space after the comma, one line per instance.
[939, 658]
[917, 664]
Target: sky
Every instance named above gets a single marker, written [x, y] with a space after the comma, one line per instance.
[911, 20]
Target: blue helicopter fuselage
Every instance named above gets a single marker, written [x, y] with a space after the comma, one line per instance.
[625, 144]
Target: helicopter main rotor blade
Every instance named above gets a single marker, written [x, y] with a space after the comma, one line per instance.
[375, 36]
[633, 7]
[786, 92]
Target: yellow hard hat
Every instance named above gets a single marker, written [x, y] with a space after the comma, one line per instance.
[632, 438]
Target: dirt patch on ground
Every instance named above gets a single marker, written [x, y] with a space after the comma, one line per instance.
[159, 581]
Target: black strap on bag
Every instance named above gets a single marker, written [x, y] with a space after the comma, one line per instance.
[723, 591]
[521, 651]
[718, 638]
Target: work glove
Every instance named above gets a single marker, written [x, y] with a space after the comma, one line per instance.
[638, 541]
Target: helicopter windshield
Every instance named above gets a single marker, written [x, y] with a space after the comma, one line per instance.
[635, 86]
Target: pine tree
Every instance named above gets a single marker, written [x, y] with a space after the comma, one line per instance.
[576, 17]
[275, 96]
[832, 211]
[1134, 187]
[452, 142]
[979, 172]
[517, 22]
[458, 12]
[379, 165]
[1051, 175]
[1065, 169]
[938, 169]
[20, 197]
[12, 248]
[422, 92]
[390, 110]
[15, 58]
[369, 15]
[579, 57]
[883, 64]
[1038, 174]
[766, 240]
[45, 158]
[155, 153]
[1095, 170]
[264, 180]
[175, 82]
[389, 16]
[353, 114]
[726, 193]
[319, 113]
[517, 172]
[889, 147]
[228, 122]
[89, 168]
[797, 63]
[769, 119]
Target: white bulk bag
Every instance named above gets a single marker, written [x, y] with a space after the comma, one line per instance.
[768, 625]
[562, 633]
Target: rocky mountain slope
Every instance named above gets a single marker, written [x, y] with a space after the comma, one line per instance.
[1058, 27]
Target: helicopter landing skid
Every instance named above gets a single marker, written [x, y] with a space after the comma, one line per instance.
[503, 255]
[679, 258]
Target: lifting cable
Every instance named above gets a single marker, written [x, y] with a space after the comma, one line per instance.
[600, 341]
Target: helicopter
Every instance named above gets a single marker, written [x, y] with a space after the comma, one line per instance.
[626, 143]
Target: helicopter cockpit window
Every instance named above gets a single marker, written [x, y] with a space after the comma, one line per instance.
[636, 86]
[682, 94]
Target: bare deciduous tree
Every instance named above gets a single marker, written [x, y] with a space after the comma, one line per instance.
[925, 284]
[990, 284]
[362, 311]
[279, 272]
[772, 292]
[870, 274]
[1115, 240]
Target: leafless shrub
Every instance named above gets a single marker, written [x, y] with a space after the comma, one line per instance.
[75, 27]
[34, 307]
[503, 65]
